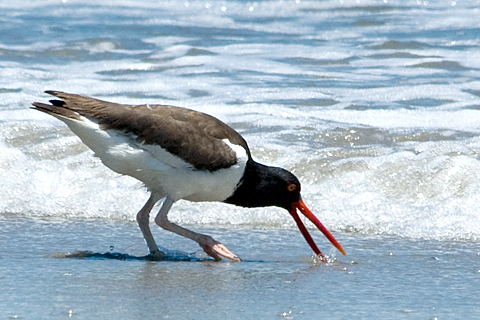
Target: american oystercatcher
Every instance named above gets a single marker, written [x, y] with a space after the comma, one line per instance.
[180, 154]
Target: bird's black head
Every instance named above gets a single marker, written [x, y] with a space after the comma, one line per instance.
[264, 186]
[279, 187]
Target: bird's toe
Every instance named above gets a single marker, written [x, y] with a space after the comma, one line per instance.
[216, 250]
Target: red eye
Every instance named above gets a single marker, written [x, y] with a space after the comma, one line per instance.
[292, 187]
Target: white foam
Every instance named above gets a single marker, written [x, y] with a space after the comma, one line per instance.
[414, 172]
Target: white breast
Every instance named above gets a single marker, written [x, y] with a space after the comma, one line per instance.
[160, 171]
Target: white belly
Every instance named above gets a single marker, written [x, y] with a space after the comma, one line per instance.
[160, 171]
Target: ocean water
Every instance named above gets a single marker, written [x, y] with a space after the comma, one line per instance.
[374, 105]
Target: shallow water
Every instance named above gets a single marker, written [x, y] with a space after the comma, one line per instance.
[374, 105]
[382, 278]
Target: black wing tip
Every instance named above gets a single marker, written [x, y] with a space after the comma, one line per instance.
[58, 103]
[57, 110]
[44, 107]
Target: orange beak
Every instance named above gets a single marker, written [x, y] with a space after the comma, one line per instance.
[300, 205]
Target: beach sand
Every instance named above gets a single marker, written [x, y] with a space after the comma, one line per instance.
[381, 277]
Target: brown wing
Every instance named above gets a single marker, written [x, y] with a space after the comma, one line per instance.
[192, 136]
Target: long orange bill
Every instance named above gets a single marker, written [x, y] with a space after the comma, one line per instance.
[300, 205]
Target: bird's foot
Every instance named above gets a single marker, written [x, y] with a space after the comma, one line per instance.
[215, 249]
[156, 255]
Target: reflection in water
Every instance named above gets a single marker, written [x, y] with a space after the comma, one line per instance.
[165, 256]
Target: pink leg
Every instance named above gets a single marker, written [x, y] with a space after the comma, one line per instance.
[212, 247]
[143, 222]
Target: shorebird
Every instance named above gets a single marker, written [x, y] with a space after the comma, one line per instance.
[179, 153]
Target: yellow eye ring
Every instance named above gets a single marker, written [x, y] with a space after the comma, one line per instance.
[292, 187]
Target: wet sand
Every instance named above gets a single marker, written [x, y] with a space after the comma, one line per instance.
[86, 269]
